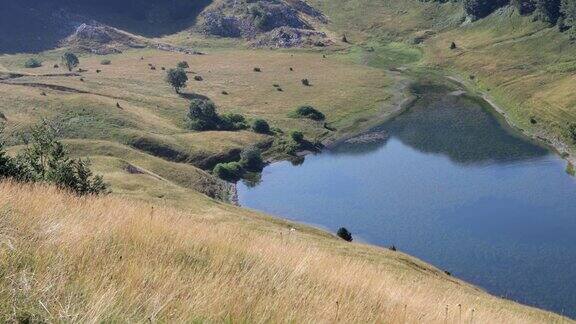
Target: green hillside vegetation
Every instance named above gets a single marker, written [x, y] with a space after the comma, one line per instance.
[128, 104]
[164, 152]
[520, 61]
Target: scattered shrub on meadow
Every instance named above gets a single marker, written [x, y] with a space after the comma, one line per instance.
[308, 112]
[232, 122]
[198, 78]
[105, 62]
[202, 115]
[251, 159]
[177, 79]
[306, 82]
[2, 116]
[231, 171]
[261, 126]
[257, 69]
[453, 46]
[32, 63]
[182, 65]
[344, 234]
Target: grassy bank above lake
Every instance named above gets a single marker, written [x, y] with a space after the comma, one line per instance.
[114, 259]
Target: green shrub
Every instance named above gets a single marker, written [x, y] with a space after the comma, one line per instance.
[202, 115]
[45, 160]
[572, 132]
[261, 126]
[105, 62]
[183, 65]
[251, 159]
[232, 122]
[297, 136]
[32, 63]
[231, 171]
[308, 112]
[344, 234]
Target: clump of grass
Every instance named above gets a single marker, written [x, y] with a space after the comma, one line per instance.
[198, 78]
[105, 62]
[306, 82]
[257, 69]
[182, 65]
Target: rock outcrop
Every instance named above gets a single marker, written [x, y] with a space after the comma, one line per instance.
[101, 39]
[265, 23]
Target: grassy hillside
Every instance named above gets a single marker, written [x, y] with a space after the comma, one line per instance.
[525, 67]
[149, 131]
[111, 259]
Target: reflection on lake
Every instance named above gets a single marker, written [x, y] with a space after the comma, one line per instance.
[451, 186]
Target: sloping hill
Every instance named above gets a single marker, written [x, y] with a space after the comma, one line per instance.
[73, 259]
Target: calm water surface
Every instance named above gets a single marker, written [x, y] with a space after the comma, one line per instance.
[452, 186]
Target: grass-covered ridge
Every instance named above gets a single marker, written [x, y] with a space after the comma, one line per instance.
[66, 258]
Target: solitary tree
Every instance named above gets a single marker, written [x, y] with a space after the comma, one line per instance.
[70, 60]
[177, 78]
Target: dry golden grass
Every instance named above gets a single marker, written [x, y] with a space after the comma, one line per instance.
[64, 258]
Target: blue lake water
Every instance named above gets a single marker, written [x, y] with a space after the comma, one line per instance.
[451, 185]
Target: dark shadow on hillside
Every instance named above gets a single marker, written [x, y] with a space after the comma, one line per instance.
[192, 95]
[38, 25]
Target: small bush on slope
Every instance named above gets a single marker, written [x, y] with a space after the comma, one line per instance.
[45, 160]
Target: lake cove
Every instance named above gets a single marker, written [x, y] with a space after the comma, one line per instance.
[450, 183]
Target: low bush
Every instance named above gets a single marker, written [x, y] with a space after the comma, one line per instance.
[306, 82]
[251, 159]
[105, 62]
[308, 112]
[202, 116]
[231, 171]
[261, 126]
[232, 122]
[344, 234]
[32, 63]
[297, 136]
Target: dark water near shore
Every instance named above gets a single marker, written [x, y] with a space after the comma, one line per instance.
[450, 185]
